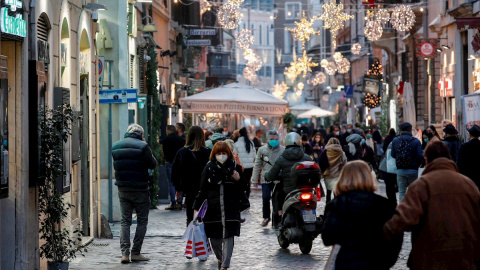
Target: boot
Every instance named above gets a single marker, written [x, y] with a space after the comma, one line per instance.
[125, 259]
[139, 258]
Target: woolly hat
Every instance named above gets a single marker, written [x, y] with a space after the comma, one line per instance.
[450, 130]
[354, 138]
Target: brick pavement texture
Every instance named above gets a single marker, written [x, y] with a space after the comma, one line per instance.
[256, 248]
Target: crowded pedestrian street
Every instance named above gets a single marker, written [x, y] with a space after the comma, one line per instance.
[256, 248]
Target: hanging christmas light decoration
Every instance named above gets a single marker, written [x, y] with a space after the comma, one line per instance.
[324, 63]
[298, 92]
[343, 66]
[204, 6]
[318, 79]
[303, 30]
[229, 16]
[382, 15]
[337, 56]
[371, 101]
[334, 19]
[255, 63]
[377, 69]
[245, 38]
[291, 72]
[356, 48]
[279, 90]
[373, 30]
[403, 18]
[305, 64]
[249, 54]
[235, 2]
[331, 68]
[250, 74]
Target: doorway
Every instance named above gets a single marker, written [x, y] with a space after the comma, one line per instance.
[84, 153]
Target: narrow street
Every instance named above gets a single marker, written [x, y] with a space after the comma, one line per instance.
[256, 248]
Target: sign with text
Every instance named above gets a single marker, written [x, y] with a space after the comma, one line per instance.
[198, 42]
[197, 85]
[426, 48]
[202, 32]
[222, 107]
[471, 110]
[348, 89]
[371, 84]
[11, 18]
[118, 96]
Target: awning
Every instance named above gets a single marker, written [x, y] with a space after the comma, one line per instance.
[468, 23]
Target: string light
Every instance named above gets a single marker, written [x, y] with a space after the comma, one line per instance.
[373, 30]
[343, 66]
[291, 72]
[324, 63]
[334, 19]
[403, 18]
[371, 101]
[331, 68]
[229, 16]
[255, 63]
[245, 38]
[250, 74]
[303, 30]
[305, 64]
[249, 54]
[377, 69]
[356, 48]
[235, 2]
[204, 6]
[318, 79]
[382, 15]
[337, 56]
[279, 90]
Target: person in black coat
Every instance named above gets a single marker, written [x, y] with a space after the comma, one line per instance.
[334, 133]
[306, 147]
[222, 187]
[171, 144]
[354, 220]
[467, 158]
[188, 166]
[391, 135]
[452, 141]
[353, 150]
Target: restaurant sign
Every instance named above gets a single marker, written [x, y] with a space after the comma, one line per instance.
[11, 18]
[240, 108]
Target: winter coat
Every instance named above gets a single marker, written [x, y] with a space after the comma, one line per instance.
[453, 144]
[316, 152]
[216, 137]
[387, 142]
[332, 135]
[307, 149]
[284, 164]
[416, 152]
[171, 144]
[187, 169]
[331, 162]
[368, 155]
[467, 160]
[442, 209]
[353, 156]
[261, 167]
[354, 220]
[343, 137]
[247, 158]
[132, 158]
[223, 195]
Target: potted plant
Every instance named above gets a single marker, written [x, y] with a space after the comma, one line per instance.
[59, 245]
[288, 120]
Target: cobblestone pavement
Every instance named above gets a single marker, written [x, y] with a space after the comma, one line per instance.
[256, 248]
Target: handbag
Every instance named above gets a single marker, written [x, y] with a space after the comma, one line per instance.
[391, 162]
[330, 265]
[244, 203]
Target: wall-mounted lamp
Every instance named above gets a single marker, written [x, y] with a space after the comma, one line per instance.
[438, 50]
[93, 7]
[446, 47]
[165, 53]
[148, 28]
[472, 57]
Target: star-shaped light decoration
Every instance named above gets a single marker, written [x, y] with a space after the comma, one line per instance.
[334, 19]
[303, 30]
[301, 65]
[279, 90]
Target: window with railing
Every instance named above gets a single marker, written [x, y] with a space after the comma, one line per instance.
[293, 10]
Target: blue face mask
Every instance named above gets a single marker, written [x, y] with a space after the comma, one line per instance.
[349, 130]
[5, 143]
[273, 143]
[426, 140]
[363, 141]
[369, 136]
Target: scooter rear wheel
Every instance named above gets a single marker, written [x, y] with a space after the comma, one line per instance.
[283, 242]
[306, 245]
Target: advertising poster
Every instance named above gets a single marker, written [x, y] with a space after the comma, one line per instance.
[471, 109]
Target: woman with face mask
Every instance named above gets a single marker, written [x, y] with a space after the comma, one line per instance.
[317, 146]
[222, 186]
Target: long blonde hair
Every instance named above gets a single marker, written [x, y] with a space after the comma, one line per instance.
[355, 175]
[195, 138]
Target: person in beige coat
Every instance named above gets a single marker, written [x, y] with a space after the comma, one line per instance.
[331, 163]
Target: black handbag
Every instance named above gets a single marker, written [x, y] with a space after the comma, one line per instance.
[244, 203]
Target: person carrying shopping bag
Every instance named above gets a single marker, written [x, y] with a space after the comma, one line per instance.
[221, 186]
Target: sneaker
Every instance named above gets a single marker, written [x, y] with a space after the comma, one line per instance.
[139, 258]
[170, 207]
[265, 222]
[178, 207]
[125, 259]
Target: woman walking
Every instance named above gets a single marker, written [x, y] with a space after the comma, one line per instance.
[331, 162]
[317, 146]
[246, 153]
[188, 165]
[221, 186]
[354, 220]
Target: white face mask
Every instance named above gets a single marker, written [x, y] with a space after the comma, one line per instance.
[337, 133]
[221, 158]
[317, 139]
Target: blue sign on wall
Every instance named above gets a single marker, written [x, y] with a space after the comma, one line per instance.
[118, 96]
[348, 89]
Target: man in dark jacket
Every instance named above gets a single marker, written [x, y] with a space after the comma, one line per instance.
[132, 158]
[334, 133]
[292, 154]
[452, 141]
[408, 152]
[349, 131]
[467, 158]
[171, 144]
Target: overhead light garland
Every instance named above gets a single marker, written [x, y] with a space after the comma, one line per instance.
[279, 90]
[376, 69]
[403, 18]
[371, 101]
[255, 63]
[204, 6]
[229, 16]
[324, 63]
[343, 66]
[305, 64]
[235, 2]
[250, 74]
[373, 30]
[245, 38]
[303, 30]
[382, 15]
[318, 79]
[337, 56]
[356, 48]
[334, 19]
[331, 68]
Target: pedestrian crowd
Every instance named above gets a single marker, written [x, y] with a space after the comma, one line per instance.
[438, 186]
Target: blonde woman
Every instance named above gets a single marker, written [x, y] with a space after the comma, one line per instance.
[331, 162]
[354, 220]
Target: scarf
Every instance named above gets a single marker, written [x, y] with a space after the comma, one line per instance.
[336, 159]
[352, 149]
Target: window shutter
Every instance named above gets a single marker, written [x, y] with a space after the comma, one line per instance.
[141, 70]
[132, 64]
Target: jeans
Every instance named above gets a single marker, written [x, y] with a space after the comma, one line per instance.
[403, 181]
[168, 168]
[266, 196]
[223, 249]
[140, 201]
[248, 178]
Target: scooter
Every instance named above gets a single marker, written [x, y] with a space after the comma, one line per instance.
[300, 223]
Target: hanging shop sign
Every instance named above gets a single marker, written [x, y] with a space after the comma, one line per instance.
[202, 32]
[371, 84]
[471, 109]
[446, 87]
[426, 48]
[118, 96]
[348, 89]
[198, 42]
[11, 18]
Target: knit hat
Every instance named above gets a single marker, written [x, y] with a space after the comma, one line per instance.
[354, 138]
[405, 126]
[474, 131]
[450, 130]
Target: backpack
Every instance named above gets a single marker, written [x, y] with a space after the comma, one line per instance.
[404, 153]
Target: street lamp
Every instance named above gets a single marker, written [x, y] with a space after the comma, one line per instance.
[149, 28]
